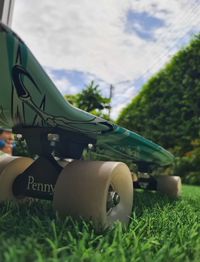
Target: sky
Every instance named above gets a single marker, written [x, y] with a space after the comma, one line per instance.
[113, 42]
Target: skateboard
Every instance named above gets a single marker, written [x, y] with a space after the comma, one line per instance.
[61, 136]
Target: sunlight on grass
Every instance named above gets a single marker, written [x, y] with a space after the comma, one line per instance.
[160, 230]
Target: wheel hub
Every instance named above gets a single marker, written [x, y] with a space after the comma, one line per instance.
[113, 199]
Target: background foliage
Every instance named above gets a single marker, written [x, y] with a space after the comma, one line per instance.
[167, 110]
[91, 100]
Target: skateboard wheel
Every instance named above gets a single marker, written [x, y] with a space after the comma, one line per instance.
[169, 185]
[95, 190]
[8, 175]
[5, 160]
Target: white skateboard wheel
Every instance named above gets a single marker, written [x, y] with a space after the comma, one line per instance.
[8, 175]
[5, 160]
[95, 190]
[169, 185]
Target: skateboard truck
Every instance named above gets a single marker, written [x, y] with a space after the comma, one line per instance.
[38, 180]
[146, 183]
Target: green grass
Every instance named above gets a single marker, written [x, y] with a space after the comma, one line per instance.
[160, 230]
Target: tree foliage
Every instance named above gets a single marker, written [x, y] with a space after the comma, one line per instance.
[167, 110]
[91, 100]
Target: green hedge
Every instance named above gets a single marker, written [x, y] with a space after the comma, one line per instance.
[167, 110]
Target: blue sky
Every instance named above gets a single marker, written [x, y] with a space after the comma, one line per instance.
[118, 42]
[143, 24]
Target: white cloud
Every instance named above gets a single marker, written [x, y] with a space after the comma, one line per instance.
[90, 36]
[123, 94]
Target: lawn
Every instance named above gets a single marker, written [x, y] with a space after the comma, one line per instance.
[160, 230]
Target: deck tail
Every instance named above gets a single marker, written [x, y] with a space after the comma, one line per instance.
[28, 97]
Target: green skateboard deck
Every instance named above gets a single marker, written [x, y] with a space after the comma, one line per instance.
[29, 101]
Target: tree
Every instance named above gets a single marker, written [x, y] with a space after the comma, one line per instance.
[91, 100]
